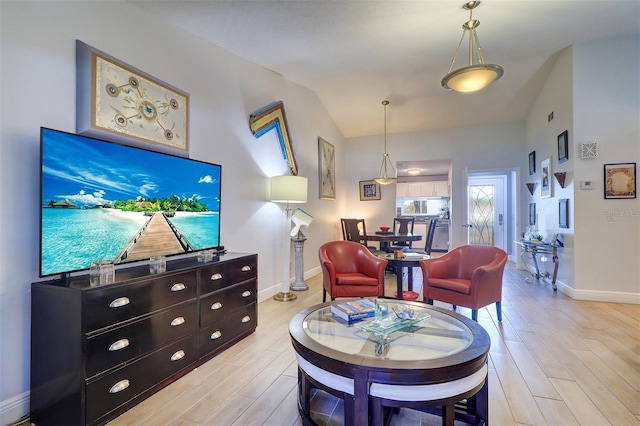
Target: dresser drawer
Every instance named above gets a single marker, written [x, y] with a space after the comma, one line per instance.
[223, 303]
[216, 335]
[111, 391]
[107, 350]
[113, 304]
[219, 275]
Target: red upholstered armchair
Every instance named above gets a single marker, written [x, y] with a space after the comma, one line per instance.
[469, 276]
[350, 270]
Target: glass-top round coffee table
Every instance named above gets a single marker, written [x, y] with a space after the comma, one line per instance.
[364, 363]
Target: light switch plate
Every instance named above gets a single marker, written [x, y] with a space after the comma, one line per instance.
[586, 184]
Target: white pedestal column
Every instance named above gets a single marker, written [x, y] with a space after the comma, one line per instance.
[298, 245]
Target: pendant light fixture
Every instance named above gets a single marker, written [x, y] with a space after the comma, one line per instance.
[473, 77]
[384, 177]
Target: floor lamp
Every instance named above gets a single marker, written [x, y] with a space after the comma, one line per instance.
[287, 190]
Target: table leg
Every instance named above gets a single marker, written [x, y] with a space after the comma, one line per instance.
[555, 271]
[410, 278]
[361, 397]
[481, 401]
[448, 415]
[399, 280]
[535, 262]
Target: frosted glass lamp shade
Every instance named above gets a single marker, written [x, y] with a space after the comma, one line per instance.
[472, 78]
[288, 189]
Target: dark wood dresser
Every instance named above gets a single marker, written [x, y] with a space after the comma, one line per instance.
[97, 351]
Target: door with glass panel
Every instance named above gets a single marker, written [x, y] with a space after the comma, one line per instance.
[486, 215]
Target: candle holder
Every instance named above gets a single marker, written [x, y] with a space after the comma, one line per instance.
[531, 187]
[560, 177]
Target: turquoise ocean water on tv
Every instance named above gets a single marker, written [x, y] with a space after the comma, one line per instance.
[73, 238]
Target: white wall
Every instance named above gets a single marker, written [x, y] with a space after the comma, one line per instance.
[606, 95]
[38, 89]
[556, 96]
[595, 101]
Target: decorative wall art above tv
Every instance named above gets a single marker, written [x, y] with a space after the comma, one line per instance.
[102, 200]
[116, 99]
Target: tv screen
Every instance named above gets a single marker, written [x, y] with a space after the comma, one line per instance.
[102, 200]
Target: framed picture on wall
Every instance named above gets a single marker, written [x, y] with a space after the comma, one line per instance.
[327, 168]
[563, 213]
[620, 180]
[117, 101]
[532, 214]
[545, 187]
[532, 163]
[369, 190]
[563, 146]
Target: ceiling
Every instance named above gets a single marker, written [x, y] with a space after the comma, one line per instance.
[356, 53]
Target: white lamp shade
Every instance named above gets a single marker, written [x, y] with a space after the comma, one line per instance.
[288, 189]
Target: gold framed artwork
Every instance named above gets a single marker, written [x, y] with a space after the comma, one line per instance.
[273, 117]
[327, 169]
[620, 180]
[369, 190]
[118, 100]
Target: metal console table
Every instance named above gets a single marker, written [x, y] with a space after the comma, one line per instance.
[533, 250]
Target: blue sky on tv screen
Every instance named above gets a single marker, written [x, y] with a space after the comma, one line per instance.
[88, 172]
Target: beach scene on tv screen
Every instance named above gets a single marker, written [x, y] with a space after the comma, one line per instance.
[107, 201]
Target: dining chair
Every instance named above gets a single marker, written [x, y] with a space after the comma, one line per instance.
[469, 276]
[428, 240]
[403, 225]
[355, 230]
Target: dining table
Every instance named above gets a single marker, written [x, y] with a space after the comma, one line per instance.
[386, 238]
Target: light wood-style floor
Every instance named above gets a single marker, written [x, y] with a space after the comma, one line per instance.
[553, 361]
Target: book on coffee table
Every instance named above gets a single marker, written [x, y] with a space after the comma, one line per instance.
[354, 310]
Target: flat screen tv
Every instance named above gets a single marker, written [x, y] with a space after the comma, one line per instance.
[103, 200]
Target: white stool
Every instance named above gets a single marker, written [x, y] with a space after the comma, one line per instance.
[443, 395]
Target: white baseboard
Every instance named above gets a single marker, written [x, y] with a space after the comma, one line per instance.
[14, 410]
[599, 296]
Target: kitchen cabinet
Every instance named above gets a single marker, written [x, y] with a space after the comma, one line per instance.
[423, 189]
[440, 188]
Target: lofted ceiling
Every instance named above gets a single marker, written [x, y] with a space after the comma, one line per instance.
[355, 53]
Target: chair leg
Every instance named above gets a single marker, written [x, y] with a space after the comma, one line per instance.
[427, 300]
[474, 315]
[499, 310]
[324, 295]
